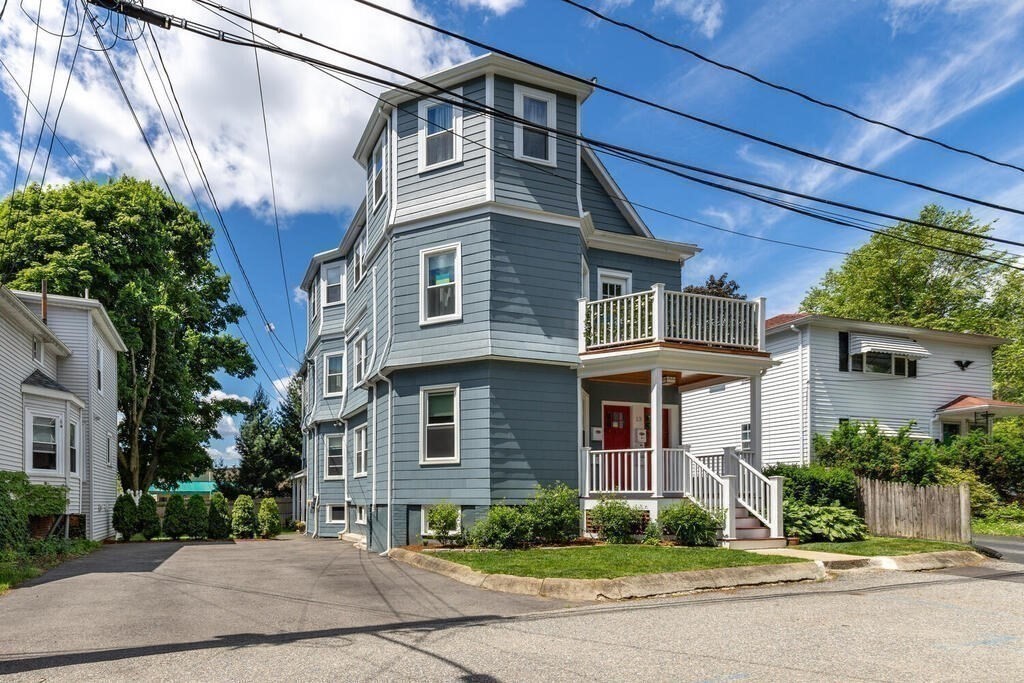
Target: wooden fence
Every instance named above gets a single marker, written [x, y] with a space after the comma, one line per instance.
[938, 513]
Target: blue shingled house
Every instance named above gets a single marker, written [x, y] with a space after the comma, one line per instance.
[497, 315]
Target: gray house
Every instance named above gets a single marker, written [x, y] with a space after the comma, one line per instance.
[497, 315]
[58, 399]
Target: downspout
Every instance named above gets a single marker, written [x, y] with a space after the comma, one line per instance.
[387, 380]
[344, 424]
[805, 397]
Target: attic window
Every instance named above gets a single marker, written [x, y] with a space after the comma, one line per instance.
[537, 107]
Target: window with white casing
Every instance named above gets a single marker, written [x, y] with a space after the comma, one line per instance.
[537, 107]
[376, 172]
[335, 514]
[358, 256]
[439, 425]
[110, 449]
[884, 363]
[425, 529]
[359, 359]
[43, 440]
[37, 351]
[613, 283]
[99, 369]
[73, 447]
[334, 374]
[334, 456]
[359, 450]
[314, 299]
[745, 436]
[334, 284]
[440, 134]
[441, 284]
[360, 514]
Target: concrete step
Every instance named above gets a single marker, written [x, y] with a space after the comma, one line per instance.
[757, 532]
[753, 543]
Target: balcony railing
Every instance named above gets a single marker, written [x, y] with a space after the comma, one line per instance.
[658, 315]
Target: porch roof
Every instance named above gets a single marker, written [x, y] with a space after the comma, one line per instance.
[976, 404]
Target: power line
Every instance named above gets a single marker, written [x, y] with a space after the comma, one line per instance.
[53, 83]
[786, 89]
[671, 110]
[63, 99]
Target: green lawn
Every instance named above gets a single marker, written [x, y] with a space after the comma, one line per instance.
[998, 527]
[45, 555]
[879, 545]
[607, 561]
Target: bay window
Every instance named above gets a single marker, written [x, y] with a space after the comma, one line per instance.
[44, 443]
[441, 284]
[334, 374]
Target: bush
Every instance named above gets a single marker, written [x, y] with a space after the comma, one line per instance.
[822, 522]
[443, 520]
[195, 517]
[174, 517]
[616, 521]
[22, 499]
[218, 522]
[867, 452]
[555, 514]
[300, 526]
[125, 518]
[998, 460]
[652, 534]
[148, 522]
[1013, 512]
[690, 524]
[816, 484]
[983, 496]
[13, 524]
[269, 518]
[243, 517]
[503, 527]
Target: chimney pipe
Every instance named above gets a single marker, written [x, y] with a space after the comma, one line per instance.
[43, 289]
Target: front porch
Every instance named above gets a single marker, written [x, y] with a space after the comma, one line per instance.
[638, 354]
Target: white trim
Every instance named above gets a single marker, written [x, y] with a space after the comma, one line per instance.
[425, 254]
[327, 373]
[614, 192]
[361, 514]
[393, 159]
[77, 443]
[344, 457]
[382, 145]
[584, 278]
[518, 93]
[675, 433]
[622, 276]
[489, 139]
[330, 519]
[475, 208]
[426, 531]
[424, 394]
[33, 390]
[359, 358]
[665, 250]
[361, 430]
[100, 377]
[111, 454]
[39, 346]
[421, 134]
[579, 159]
[58, 437]
[325, 283]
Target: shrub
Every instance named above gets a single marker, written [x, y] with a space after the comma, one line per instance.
[195, 517]
[13, 524]
[243, 517]
[269, 518]
[125, 517]
[503, 527]
[998, 460]
[822, 522]
[300, 526]
[690, 524]
[443, 520]
[865, 450]
[816, 484]
[1013, 512]
[555, 514]
[219, 521]
[616, 521]
[652, 534]
[22, 499]
[983, 496]
[174, 517]
[148, 522]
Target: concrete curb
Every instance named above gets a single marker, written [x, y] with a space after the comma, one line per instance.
[639, 586]
[925, 561]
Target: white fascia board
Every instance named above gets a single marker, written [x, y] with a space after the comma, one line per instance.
[635, 244]
[846, 324]
[613, 190]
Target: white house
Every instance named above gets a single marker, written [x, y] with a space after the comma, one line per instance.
[831, 370]
[58, 399]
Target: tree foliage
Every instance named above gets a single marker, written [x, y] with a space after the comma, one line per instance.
[717, 286]
[147, 259]
[175, 522]
[243, 517]
[196, 517]
[148, 521]
[905, 282]
[126, 516]
[219, 521]
[268, 519]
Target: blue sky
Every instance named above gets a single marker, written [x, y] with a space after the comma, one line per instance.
[948, 68]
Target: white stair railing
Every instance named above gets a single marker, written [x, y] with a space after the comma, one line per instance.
[759, 494]
[712, 492]
[676, 470]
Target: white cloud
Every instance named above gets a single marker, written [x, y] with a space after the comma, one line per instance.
[706, 15]
[299, 295]
[227, 428]
[281, 385]
[228, 456]
[498, 7]
[314, 120]
[220, 395]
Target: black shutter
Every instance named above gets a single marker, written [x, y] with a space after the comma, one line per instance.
[911, 368]
[844, 351]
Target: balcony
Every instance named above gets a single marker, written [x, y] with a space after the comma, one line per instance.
[658, 316]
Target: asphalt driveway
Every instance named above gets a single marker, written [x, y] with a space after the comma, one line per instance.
[1011, 547]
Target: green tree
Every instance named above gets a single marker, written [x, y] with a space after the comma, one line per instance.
[125, 517]
[289, 423]
[269, 518]
[904, 282]
[195, 517]
[148, 522]
[717, 286]
[147, 258]
[219, 523]
[243, 517]
[174, 517]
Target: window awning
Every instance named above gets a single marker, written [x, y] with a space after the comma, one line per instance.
[863, 343]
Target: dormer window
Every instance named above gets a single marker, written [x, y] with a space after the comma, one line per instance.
[376, 172]
[537, 107]
[440, 134]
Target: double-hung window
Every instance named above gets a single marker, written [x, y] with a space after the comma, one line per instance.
[440, 134]
[376, 171]
[37, 351]
[613, 283]
[314, 299]
[73, 447]
[99, 368]
[536, 107]
[745, 436]
[359, 448]
[358, 256]
[439, 424]
[44, 443]
[334, 456]
[360, 514]
[334, 284]
[359, 359]
[334, 374]
[441, 284]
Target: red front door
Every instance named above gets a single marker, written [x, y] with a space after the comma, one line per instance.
[616, 427]
[664, 427]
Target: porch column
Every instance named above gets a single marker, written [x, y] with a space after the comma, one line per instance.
[755, 420]
[654, 438]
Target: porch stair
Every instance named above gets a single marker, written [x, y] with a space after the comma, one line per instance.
[751, 533]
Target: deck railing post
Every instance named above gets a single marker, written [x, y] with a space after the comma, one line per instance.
[582, 303]
[658, 308]
[654, 436]
[775, 506]
[585, 472]
[762, 309]
[729, 464]
[729, 494]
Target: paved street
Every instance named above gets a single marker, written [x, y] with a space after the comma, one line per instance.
[299, 609]
[1011, 547]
